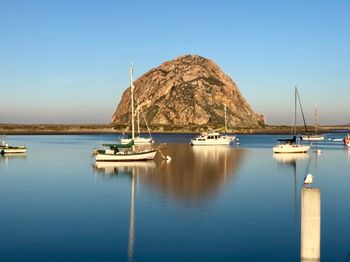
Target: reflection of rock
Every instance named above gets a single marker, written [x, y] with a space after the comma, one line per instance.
[195, 172]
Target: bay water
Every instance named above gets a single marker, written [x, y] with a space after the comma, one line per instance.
[224, 203]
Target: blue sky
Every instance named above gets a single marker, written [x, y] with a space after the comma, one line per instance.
[68, 61]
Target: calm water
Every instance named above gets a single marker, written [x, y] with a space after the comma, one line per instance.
[237, 203]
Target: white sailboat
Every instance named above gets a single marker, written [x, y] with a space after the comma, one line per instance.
[291, 145]
[130, 151]
[213, 138]
[138, 140]
[315, 136]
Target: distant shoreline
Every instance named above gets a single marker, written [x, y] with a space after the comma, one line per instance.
[89, 129]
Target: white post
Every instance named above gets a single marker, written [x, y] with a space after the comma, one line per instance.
[310, 224]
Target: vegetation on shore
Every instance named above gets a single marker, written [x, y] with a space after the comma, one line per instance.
[42, 129]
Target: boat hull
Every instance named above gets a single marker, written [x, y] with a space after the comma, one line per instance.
[213, 142]
[13, 150]
[137, 141]
[312, 138]
[290, 148]
[141, 156]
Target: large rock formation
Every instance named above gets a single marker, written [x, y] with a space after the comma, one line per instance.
[188, 91]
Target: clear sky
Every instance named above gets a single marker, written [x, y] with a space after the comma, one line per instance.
[67, 61]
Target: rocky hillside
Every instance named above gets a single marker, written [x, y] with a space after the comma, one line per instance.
[188, 91]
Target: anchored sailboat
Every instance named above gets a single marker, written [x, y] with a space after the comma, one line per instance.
[138, 140]
[315, 136]
[129, 151]
[290, 145]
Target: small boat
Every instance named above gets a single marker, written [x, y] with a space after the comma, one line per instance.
[315, 136]
[290, 146]
[138, 140]
[212, 138]
[128, 152]
[7, 149]
[347, 140]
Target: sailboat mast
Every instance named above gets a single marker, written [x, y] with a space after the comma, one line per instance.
[295, 111]
[225, 121]
[138, 118]
[132, 101]
[316, 120]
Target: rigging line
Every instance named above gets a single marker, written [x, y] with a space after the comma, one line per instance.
[302, 112]
[149, 131]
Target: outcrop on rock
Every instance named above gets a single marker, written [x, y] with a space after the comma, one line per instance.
[188, 91]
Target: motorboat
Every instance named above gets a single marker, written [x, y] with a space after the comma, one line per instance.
[212, 138]
[314, 137]
[7, 149]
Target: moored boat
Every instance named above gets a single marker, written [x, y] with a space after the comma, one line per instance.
[212, 138]
[290, 146]
[129, 151]
[346, 140]
[312, 137]
[7, 149]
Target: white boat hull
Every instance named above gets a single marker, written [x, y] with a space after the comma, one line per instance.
[224, 140]
[120, 156]
[312, 138]
[137, 141]
[287, 148]
[13, 150]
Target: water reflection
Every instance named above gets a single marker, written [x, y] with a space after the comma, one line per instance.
[7, 158]
[115, 168]
[132, 169]
[195, 173]
[290, 158]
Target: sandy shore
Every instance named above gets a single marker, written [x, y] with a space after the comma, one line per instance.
[56, 129]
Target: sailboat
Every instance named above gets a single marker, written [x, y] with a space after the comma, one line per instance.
[129, 151]
[291, 145]
[213, 137]
[138, 140]
[315, 136]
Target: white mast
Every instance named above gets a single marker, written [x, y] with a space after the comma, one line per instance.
[295, 110]
[316, 119]
[132, 102]
[138, 118]
[225, 121]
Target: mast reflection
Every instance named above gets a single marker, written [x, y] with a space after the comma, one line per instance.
[134, 170]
